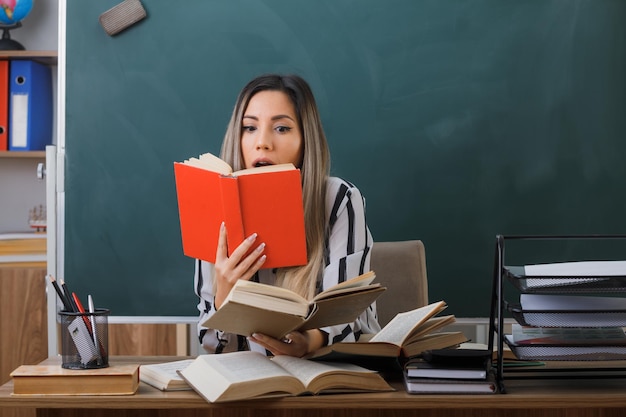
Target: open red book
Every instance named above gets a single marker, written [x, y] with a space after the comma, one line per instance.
[264, 200]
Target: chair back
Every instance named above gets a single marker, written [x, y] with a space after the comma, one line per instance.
[401, 267]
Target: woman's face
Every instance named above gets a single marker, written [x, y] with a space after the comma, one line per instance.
[270, 131]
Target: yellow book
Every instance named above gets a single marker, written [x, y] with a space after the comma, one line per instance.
[55, 380]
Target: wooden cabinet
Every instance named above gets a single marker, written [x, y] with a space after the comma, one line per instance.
[23, 324]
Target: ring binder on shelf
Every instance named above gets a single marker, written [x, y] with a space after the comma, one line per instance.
[4, 105]
[30, 106]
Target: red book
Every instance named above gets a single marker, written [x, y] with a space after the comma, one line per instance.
[4, 105]
[264, 200]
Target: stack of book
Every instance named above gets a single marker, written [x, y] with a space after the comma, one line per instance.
[450, 371]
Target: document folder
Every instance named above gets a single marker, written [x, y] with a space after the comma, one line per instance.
[4, 105]
[30, 106]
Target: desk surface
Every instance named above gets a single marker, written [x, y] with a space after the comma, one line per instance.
[600, 397]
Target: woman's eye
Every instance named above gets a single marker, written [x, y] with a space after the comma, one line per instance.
[283, 129]
[248, 128]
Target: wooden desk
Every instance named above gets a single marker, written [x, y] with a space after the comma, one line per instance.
[598, 398]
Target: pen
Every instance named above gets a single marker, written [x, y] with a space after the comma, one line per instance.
[55, 284]
[92, 310]
[81, 309]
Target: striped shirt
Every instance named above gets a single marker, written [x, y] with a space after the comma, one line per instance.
[348, 246]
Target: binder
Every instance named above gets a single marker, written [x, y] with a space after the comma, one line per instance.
[30, 106]
[4, 105]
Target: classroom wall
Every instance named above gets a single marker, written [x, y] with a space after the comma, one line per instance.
[457, 119]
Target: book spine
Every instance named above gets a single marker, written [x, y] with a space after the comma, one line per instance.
[233, 219]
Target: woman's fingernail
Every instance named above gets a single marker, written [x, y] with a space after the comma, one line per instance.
[252, 237]
[260, 247]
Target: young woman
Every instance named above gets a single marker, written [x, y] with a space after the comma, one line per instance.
[275, 120]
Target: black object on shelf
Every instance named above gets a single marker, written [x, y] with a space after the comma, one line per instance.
[8, 44]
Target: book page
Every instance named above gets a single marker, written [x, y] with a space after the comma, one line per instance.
[356, 282]
[262, 169]
[306, 370]
[244, 366]
[268, 297]
[432, 324]
[210, 162]
[269, 290]
[401, 326]
[239, 375]
[166, 371]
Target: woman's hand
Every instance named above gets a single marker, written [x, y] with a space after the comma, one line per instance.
[228, 270]
[295, 344]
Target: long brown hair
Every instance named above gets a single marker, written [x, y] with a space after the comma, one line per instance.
[315, 170]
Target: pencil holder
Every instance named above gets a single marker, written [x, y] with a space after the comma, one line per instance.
[84, 339]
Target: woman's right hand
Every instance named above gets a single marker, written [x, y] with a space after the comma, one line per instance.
[228, 270]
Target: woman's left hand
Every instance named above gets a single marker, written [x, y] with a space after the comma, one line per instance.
[293, 344]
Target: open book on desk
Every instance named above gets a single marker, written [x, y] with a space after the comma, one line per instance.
[251, 307]
[246, 375]
[407, 334]
[265, 200]
[164, 376]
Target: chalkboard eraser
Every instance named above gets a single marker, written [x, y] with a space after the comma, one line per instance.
[122, 16]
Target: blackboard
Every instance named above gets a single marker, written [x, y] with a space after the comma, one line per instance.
[457, 119]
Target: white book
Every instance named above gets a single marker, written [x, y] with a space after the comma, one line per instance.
[582, 271]
[577, 269]
[526, 335]
[572, 310]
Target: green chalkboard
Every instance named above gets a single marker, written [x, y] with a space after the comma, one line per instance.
[457, 119]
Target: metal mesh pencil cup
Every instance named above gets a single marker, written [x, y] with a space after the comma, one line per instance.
[84, 339]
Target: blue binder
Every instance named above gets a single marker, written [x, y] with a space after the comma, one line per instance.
[30, 106]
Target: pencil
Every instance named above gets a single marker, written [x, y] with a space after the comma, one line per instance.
[73, 307]
[55, 284]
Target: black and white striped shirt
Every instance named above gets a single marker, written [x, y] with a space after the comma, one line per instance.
[347, 251]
